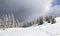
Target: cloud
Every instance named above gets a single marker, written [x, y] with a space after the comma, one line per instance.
[25, 9]
[40, 7]
[54, 10]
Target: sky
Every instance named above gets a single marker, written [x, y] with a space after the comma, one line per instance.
[29, 9]
[55, 8]
[55, 2]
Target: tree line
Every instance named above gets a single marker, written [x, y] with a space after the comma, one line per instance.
[40, 21]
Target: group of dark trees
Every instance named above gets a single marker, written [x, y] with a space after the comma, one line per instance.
[27, 24]
[49, 19]
[40, 21]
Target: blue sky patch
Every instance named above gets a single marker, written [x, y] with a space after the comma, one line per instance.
[56, 2]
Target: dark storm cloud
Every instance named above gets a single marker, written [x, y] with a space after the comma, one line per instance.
[17, 7]
[24, 9]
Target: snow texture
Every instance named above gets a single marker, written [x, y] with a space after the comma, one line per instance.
[47, 29]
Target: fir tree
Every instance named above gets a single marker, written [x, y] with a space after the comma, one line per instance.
[41, 21]
[53, 21]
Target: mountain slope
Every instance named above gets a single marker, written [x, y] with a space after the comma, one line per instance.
[47, 29]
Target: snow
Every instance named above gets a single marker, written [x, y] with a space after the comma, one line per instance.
[47, 29]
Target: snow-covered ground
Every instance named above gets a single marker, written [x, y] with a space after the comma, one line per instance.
[47, 29]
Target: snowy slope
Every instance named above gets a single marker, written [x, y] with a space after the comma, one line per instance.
[47, 29]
